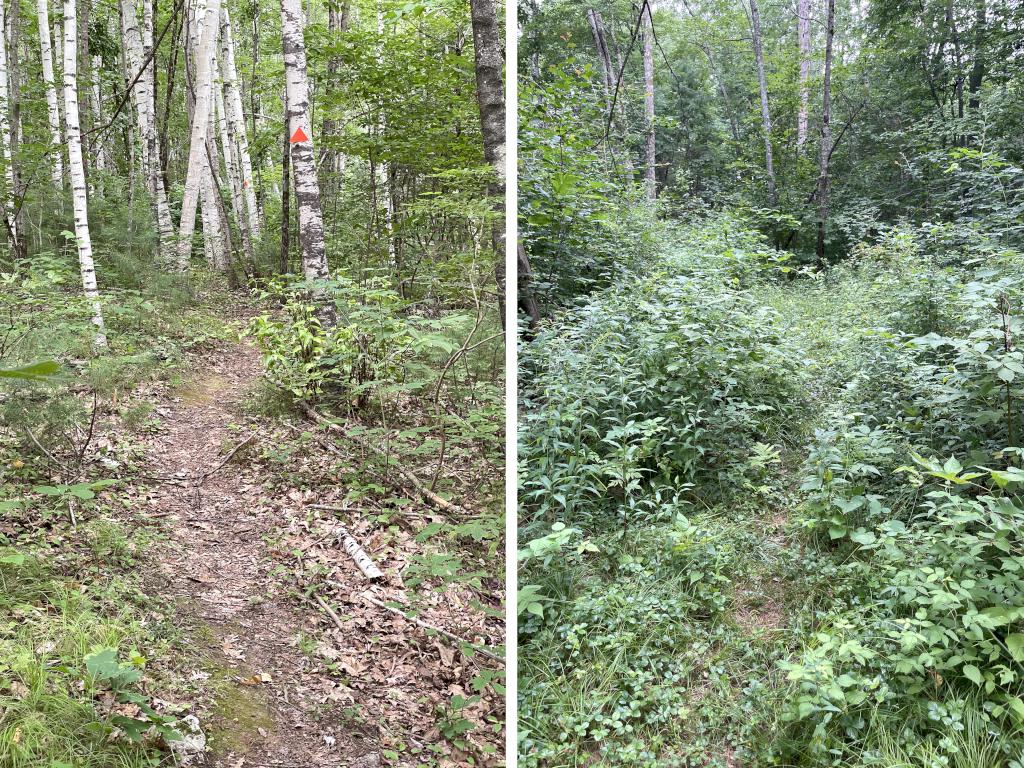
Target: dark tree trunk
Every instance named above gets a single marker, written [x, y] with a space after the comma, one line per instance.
[978, 68]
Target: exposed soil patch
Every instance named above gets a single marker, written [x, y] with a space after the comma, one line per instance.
[291, 685]
[270, 707]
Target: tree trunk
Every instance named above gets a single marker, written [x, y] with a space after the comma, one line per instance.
[286, 214]
[650, 160]
[826, 133]
[53, 114]
[236, 123]
[102, 158]
[14, 94]
[766, 118]
[616, 113]
[527, 300]
[489, 56]
[978, 67]
[10, 223]
[145, 108]
[383, 171]
[76, 169]
[234, 181]
[332, 159]
[803, 11]
[198, 167]
[307, 187]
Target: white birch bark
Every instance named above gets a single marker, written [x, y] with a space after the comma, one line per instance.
[803, 10]
[766, 115]
[132, 40]
[231, 172]
[76, 170]
[102, 153]
[236, 123]
[383, 171]
[307, 187]
[650, 154]
[145, 106]
[53, 114]
[198, 167]
[5, 137]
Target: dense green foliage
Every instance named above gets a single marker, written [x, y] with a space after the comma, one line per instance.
[771, 500]
[779, 581]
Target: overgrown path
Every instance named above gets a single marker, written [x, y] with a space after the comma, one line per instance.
[271, 704]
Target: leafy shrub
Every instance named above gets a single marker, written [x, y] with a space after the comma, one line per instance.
[377, 345]
[580, 228]
[648, 390]
[943, 622]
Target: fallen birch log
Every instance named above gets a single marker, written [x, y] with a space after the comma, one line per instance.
[357, 553]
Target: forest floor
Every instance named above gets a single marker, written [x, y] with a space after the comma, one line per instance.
[699, 683]
[262, 635]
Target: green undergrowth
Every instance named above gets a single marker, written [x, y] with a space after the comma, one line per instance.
[424, 387]
[87, 657]
[790, 537]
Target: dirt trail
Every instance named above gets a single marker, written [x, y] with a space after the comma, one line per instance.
[270, 707]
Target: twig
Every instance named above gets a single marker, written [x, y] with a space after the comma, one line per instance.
[227, 458]
[49, 455]
[330, 612]
[138, 75]
[419, 622]
[418, 485]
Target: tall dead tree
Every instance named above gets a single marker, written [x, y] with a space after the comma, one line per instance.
[617, 113]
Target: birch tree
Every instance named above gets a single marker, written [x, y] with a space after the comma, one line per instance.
[145, 105]
[10, 221]
[650, 161]
[762, 83]
[826, 133]
[803, 10]
[76, 170]
[236, 123]
[197, 158]
[489, 56]
[307, 188]
[49, 85]
[383, 171]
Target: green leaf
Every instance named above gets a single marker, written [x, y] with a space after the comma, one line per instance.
[1015, 644]
[973, 674]
[862, 537]
[33, 372]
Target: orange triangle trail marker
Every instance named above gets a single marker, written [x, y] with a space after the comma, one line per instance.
[299, 135]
